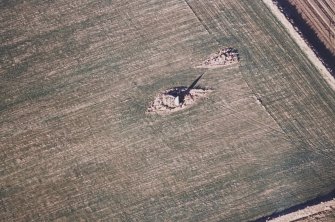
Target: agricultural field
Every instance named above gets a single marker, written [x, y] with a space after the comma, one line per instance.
[320, 15]
[76, 142]
[314, 22]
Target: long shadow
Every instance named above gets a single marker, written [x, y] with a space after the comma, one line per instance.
[309, 34]
[182, 91]
[312, 202]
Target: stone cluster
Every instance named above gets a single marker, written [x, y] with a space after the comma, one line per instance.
[174, 99]
[225, 56]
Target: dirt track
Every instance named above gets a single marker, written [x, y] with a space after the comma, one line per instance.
[301, 42]
[320, 212]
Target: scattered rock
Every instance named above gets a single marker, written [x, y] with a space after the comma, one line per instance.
[224, 57]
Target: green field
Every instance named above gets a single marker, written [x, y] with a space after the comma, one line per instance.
[76, 78]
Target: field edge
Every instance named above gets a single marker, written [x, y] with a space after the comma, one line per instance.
[300, 42]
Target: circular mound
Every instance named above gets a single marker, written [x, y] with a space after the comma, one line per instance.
[175, 99]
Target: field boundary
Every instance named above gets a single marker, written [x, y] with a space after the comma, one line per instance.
[307, 212]
[314, 207]
[300, 42]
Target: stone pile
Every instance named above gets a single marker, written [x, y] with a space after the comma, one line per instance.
[224, 57]
[173, 100]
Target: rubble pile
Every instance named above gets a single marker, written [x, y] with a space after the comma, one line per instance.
[224, 57]
[176, 99]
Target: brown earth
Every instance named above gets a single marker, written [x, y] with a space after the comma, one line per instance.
[301, 41]
[320, 15]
